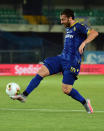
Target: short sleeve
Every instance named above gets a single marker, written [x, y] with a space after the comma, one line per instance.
[83, 29]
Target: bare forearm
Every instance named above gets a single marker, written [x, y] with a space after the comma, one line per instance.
[92, 35]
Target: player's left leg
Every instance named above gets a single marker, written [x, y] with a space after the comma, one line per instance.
[67, 89]
[68, 81]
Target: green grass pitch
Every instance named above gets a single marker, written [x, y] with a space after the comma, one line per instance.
[48, 109]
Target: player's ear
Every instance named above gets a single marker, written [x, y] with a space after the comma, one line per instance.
[70, 18]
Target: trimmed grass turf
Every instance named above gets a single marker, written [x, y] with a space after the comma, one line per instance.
[50, 96]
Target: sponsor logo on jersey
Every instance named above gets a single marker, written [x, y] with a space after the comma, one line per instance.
[69, 36]
[69, 31]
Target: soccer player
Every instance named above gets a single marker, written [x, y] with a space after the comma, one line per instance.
[68, 62]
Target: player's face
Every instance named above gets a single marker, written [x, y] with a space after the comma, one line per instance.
[65, 20]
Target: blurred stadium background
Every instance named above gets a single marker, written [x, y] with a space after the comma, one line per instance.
[30, 31]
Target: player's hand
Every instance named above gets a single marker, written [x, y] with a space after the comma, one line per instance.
[81, 48]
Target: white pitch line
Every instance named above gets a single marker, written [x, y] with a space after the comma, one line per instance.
[45, 110]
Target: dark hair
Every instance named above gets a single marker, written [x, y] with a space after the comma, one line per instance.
[68, 13]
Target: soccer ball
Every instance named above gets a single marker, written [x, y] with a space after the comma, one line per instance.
[12, 89]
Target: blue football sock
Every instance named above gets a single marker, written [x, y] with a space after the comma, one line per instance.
[32, 85]
[76, 95]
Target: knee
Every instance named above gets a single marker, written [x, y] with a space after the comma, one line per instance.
[66, 89]
[43, 71]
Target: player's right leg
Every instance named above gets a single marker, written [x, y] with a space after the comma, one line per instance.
[33, 84]
[51, 66]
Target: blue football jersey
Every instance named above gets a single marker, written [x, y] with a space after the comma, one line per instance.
[74, 36]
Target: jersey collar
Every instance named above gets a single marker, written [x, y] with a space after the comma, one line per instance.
[74, 23]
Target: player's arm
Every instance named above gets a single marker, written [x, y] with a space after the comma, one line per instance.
[92, 34]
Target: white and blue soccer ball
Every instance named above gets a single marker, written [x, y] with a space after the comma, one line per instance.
[12, 89]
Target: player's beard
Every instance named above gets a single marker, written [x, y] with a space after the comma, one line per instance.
[67, 25]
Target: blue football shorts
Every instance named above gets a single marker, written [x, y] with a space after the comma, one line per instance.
[57, 64]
